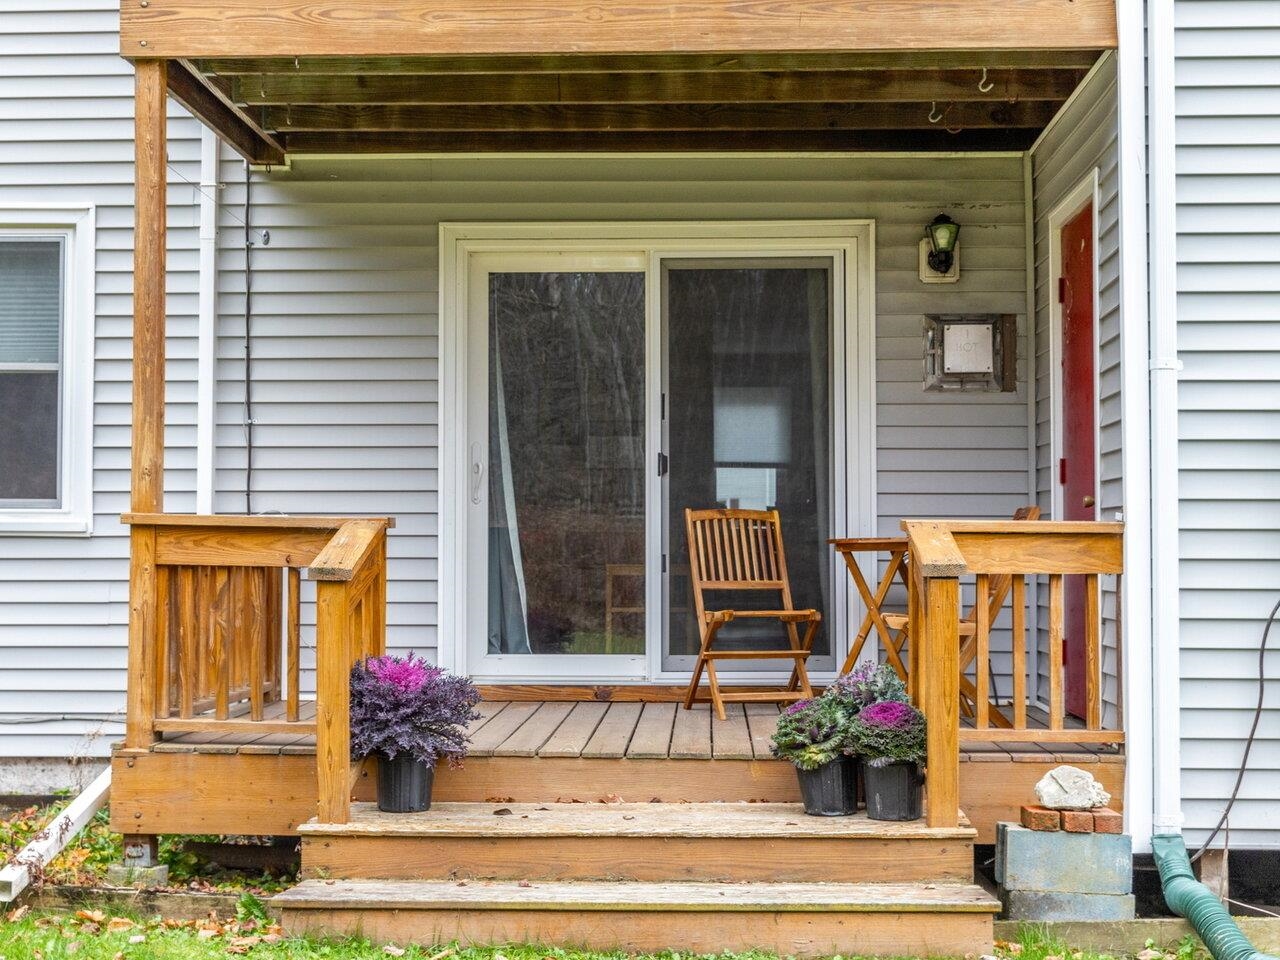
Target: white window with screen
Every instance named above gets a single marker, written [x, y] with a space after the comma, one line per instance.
[46, 335]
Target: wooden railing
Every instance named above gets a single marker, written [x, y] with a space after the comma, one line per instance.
[215, 629]
[950, 651]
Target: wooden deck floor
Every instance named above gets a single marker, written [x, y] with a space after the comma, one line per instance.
[617, 730]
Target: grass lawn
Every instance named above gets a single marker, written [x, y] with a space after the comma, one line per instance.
[94, 935]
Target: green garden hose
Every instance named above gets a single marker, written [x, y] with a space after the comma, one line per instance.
[1188, 897]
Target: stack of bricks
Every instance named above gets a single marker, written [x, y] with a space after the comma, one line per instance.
[1097, 820]
[1065, 865]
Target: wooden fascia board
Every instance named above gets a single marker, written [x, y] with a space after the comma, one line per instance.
[207, 103]
[307, 28]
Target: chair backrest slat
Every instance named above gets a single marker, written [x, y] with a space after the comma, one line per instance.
[736, 550]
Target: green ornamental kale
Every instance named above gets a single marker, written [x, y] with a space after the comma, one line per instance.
[888, 732]
[810, 733]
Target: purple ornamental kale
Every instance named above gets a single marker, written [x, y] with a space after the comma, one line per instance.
[403, 705]
[891, 714]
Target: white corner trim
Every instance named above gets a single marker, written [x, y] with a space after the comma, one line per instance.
[206, 327]
[76, 224]
[1135, 594]
[1162, 228]
[1083, 193]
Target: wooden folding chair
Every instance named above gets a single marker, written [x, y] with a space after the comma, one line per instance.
[742, 550]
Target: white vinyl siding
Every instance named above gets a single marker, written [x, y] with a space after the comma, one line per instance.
[345, 391]
[1227, 73]
[66, 138]
[1083, 139]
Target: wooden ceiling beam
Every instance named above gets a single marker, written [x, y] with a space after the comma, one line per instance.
[359, 142]
[806, 87]
[264, 28]
[206, 102]
[659, 117]
[650, 63]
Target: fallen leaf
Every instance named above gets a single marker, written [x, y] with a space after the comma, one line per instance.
[611, 798]
[93, 916]
[502, 812]
[392, 950]
[525, 883]
[446, 952]
[116, 924]
[204, 933]
[138, 938]
[13, 916]
[1147, 954]
[499, 799]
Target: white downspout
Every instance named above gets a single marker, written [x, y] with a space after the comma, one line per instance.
[1135, 399]
[207, 313]
[1162, 254]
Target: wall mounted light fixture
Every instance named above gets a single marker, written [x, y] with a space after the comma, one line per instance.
[942, 233]
[940, 251]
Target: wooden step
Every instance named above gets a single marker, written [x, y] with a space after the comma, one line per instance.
[797, 919]
[632, 841]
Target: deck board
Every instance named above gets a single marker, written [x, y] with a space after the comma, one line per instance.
[616, 729]
[731, 739]
[762, 719]
[691, 734]
[534, 732]
[573, 735]
[652, 736]
[612, 737]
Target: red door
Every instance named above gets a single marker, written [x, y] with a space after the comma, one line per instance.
[1078, 469]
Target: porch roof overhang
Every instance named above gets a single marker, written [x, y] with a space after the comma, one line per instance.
[282, 77]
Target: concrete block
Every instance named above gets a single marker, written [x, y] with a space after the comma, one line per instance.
[123, 875]
[1032, 860]
[1046, 907]
[1077, 821]
[1040, 818]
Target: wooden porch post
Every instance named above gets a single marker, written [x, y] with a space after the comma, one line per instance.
[941, 697]
[147, 481]
[147, 440]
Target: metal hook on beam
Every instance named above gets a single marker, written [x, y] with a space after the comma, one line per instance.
[985, 85]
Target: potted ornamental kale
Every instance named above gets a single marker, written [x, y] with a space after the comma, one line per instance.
[889, 737]
[409, 715]
[812, 734]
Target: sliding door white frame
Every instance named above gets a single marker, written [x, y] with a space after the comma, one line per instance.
[468, 250]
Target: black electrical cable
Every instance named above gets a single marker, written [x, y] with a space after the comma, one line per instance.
[248, 343]
[1253, 732]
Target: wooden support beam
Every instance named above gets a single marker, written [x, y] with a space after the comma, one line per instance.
[390, 118]
[208, 104]
[355, 142]
[972, 60]
[891, 85]
[250, 28]
[149, 239]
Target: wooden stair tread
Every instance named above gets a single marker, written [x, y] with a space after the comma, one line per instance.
[720, 820]
[633, 896]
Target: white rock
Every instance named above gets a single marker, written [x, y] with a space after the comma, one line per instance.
[1070, 788]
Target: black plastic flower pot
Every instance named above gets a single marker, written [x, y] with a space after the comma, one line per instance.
[404, 784]
[894, 791]
[830, 790]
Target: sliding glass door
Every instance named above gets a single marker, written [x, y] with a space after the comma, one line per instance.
[606, 393]
[558, 492]
[747, 425]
